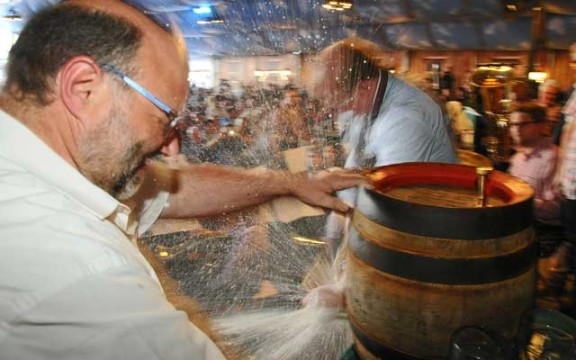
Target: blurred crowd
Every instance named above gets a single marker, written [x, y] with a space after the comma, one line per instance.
[250, 127]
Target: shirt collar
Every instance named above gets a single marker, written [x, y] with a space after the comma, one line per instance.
[22, 147]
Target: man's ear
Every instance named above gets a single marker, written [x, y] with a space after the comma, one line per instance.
[81, 86]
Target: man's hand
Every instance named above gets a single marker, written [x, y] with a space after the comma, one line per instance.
[319, 188]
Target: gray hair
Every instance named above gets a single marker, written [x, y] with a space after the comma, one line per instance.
[58, 34]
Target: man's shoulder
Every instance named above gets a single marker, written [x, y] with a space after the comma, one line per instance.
[45, 220]
[547, 149]
[403, 91]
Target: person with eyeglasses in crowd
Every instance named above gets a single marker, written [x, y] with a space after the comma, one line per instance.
[92, 93]
[535, 161]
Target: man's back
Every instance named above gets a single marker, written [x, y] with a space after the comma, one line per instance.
[410, 127]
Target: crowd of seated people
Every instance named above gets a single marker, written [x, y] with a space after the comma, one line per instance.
[251, 127]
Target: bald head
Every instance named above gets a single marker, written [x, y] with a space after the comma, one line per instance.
[67, 81]
[348, 62]
[110, 32]
[341, 67]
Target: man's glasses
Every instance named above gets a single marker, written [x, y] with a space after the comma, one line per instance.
[172, 115]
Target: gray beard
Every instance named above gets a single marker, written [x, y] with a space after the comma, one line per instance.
[129, 188]
[109, 159]
[128, 181]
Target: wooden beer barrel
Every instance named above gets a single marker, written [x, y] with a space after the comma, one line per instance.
[424, 259]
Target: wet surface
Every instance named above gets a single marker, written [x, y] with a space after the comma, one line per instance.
[226, 271]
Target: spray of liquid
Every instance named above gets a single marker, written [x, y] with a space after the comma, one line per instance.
[307, 333]
[252, 280]
[251, 277]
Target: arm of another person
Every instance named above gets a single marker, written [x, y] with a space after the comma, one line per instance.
[204, 190]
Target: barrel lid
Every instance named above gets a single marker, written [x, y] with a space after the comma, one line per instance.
[507, 189]
[442, 200]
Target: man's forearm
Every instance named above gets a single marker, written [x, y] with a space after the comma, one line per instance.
[204, 190]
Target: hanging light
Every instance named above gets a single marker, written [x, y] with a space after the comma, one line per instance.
[208, 15]
[12, 15]
[338, 5]
[202, 10]
[210, 21]
[493, 75]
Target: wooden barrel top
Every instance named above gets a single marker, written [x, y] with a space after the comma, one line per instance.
[447, 185]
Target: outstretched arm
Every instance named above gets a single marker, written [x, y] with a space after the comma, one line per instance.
[204, 190]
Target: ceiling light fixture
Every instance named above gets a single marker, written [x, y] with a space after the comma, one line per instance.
[338, 5]
[210, 21]
[202, 10]
[208, 15]
[492, 75]
[12, 15]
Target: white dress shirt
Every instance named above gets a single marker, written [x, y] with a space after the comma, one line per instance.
[72, 284]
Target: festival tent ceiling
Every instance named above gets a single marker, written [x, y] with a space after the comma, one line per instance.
[272, 27]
